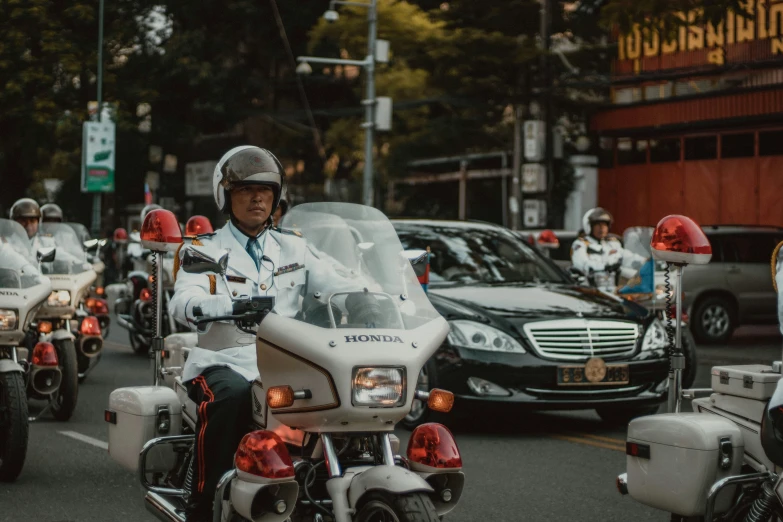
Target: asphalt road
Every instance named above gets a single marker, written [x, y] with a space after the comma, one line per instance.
[532, 467]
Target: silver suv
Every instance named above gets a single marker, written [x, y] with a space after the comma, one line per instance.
[735, 288]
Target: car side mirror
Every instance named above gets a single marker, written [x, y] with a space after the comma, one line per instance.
[195, 261]
[46, 254]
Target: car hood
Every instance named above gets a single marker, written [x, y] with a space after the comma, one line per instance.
[530, 302]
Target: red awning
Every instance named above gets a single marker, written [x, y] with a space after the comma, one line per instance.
[759, 103]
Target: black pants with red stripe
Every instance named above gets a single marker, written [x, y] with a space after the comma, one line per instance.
[224, 417]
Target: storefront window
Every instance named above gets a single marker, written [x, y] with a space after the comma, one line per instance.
[701, 148]
[631, 151]
[737, 145]
[665, 149]
[771, 143]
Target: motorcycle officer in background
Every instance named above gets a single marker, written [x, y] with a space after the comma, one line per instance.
[247, 185]
[27, 213]
[599, 251]
[51, 213]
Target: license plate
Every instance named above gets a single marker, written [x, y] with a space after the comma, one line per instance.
[576, 376]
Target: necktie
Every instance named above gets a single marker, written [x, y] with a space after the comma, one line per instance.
[251, 250]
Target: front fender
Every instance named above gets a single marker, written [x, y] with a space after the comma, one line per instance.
[61, 335]
[390, 479]
[8, 366]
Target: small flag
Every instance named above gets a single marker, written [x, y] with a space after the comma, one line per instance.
[147, 194]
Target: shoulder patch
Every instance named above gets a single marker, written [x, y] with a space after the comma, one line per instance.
[208, 234]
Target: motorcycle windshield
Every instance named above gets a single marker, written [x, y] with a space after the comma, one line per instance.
[18, 269]
[362, 277]
[81, 232]
[70, 257]
[637, 240]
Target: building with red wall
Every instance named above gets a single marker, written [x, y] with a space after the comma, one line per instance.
[696, 123]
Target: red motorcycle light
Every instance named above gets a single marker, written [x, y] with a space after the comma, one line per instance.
[44, 354]
[91, 326]
[678, 239]
[548, 239]
[263, 453]
[280, 396]
[145, 295]
[100, 307]
[90, 302]
[120, 235]
[440, 400]
[160, 231]
[44, 327]
[198, 225]
[433, 445]
[100, 290]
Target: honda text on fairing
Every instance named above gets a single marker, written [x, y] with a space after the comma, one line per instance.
[524, 332]
[334, 380]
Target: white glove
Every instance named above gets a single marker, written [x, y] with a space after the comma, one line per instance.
[213, 306]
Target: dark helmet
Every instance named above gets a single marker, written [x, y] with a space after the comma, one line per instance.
[596, 215]
[146, 210]
[25, 208]
[247, 165]
[52, 213]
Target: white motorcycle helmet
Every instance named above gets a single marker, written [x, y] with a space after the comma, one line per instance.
[247, 165]
[593, 216]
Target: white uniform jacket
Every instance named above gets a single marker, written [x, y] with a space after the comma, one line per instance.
[225, 345]
[591, 255]
[777, 261]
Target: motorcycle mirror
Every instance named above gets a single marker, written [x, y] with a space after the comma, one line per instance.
[195, 261]
[46, 254]
[90, 243]
[364, 247]
[102, 242]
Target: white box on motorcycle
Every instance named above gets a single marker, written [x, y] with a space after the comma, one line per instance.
[674, 459]
[137, 415]
[753, 381]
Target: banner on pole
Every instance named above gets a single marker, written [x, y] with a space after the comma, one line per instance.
[98, 154]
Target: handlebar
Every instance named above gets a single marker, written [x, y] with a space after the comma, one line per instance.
[247, 312]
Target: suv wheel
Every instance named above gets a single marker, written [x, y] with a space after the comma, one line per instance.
[713, 322]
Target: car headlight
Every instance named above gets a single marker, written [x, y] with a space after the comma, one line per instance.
[8, 319]
[654, 337]
[470, 334]
[59, 298]
[380, 387]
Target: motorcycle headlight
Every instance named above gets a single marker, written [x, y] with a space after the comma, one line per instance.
[8, 319]
[379, 387]
[654, 337]
[470, 334]
[59, 298]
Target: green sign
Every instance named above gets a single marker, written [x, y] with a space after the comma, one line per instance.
[98, 156]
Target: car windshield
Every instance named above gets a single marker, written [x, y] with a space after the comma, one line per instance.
[477, 254]
[362, 278]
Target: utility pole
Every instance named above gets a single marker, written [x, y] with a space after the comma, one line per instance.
[369, 103]
[546, 100]
[516, 165]
[96, 198]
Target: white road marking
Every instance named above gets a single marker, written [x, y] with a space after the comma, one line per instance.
[84, 438]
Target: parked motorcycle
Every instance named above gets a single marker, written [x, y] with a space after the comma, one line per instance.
[721, 462]
[74, 332]
[95, 300]
[333, 383]
[23, 373]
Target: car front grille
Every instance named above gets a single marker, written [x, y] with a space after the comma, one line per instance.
[581, 339]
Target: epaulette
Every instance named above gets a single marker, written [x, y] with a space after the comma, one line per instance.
[773, 264]
[287, 231]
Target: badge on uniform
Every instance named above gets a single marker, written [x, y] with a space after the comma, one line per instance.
[612, 252]
[236, 279]
[288, 268]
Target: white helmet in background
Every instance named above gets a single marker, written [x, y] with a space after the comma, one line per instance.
[596, 215]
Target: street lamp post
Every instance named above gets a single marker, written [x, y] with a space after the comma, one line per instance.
[369, 102]
[96, 198]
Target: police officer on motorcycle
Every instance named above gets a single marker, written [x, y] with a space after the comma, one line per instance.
[51, 213]
[27, 213]
[599, 252]
[263, 261]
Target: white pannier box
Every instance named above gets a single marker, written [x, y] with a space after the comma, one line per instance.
[137, 415]
[754, 381]
[675, 458]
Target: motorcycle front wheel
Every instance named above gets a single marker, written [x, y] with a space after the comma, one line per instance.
[63, 401]
[14, 425]
[381, 507]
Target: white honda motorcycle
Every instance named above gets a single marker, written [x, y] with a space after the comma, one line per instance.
[334, 381]
[721, 463]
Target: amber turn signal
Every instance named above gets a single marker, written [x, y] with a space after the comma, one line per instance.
[44, 327]
[440, 400]
[280, 396]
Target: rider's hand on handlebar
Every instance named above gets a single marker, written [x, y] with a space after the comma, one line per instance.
[215, 306]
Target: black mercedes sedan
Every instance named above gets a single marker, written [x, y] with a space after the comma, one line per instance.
[524, 332]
